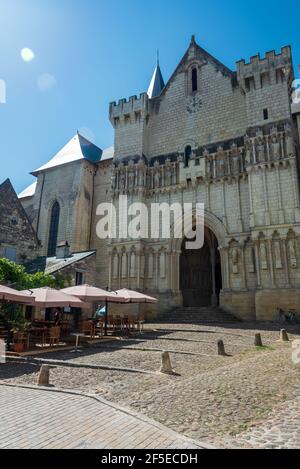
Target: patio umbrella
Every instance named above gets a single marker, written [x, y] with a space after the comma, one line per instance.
[132, 296]
[14, 296]
[10, 295]
[51, 298]
[93, 294]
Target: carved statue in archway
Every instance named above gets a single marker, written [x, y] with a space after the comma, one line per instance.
[275, 148]
[235, 260]
[260, 150]
[292, 253]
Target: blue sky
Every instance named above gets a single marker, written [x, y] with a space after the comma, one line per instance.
[91, 52]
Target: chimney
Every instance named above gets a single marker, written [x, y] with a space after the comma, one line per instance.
[63, 250]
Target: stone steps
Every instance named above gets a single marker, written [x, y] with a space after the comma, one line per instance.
[197, 315]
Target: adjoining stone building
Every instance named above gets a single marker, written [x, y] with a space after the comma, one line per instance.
[75, 268]
[228, 139]
[18, 241]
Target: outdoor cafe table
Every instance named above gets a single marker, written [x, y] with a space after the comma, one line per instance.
[39, 332]
[77, 335]
[43, 322]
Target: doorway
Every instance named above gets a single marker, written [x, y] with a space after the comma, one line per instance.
[201, 273]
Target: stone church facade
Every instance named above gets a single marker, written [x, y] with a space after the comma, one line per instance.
[227, 139]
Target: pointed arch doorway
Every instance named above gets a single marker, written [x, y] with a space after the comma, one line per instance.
[201, 273]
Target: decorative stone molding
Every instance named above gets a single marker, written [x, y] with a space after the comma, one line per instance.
[263, 256]
[277, 254]
[235, 260]
[270, 145]
[261, 148]
[292, 254]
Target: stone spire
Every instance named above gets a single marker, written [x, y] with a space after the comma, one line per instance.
[157, 83]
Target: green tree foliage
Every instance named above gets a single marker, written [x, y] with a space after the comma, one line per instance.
[15, 275]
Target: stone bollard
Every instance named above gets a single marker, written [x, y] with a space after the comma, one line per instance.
[44, 376]
[221, 348]
[166, 366]
[258, 340]
[284, 336]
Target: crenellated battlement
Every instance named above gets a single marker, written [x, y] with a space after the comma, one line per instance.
[134, 107]
[261, 71]
[270, 56]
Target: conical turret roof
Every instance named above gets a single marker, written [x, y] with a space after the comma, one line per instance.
[157, 83]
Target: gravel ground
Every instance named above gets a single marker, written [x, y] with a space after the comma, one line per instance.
[225, 400]
[280, 431]
[215, 399]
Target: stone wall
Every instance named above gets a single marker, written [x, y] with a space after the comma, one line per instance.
[215, 113]
[16, 231]
[102, 191]
[86, 266]
[72, 187]
[129, 119]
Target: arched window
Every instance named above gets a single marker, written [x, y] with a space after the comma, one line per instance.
[53, 230]
[194, 79]
[187, 155]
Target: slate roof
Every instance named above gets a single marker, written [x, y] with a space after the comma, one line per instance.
[108, 154]
[50, 265]
[78, 148]
[29, 191]
[157, 83]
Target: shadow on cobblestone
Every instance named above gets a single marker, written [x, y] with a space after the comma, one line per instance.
[215, 398]
[16, 370]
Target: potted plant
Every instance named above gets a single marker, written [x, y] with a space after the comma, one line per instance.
[18, 327]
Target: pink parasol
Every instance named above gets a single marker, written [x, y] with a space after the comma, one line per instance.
[132, 296]
[51, 298]
[93, 294]
[14, 296]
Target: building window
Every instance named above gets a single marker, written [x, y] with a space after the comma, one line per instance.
[279, 76]
[187, 155]
[79, 278]
[53, 231]
[266, 114]
[265, 79]
[10, 254]
[194, 80]
[250, 84]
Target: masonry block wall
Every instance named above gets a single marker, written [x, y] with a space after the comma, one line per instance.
[266, 83]
[86, 266]
[72, 187]
[129, 119]
[102, 194]
[214, 114]
[17, 236]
